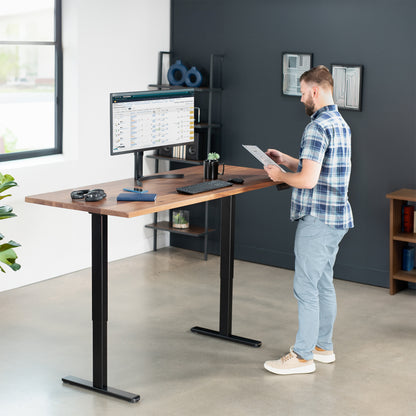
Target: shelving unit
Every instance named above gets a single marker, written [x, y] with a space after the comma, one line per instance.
[398, 277]
[207, 126]
[166, 226]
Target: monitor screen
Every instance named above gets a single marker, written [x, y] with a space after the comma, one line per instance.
[145, 120]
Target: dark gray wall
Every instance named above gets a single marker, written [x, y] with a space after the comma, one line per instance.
[252, 34]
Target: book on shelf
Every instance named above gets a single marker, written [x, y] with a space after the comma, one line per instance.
[408, 258]
[179, 152]
[414, 222]
[408, 221]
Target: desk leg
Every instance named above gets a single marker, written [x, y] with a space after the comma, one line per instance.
[100, 316]
[226, 278]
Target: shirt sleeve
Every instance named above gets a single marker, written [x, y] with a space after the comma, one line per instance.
[314, 143]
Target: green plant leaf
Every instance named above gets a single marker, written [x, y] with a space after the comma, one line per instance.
[9, 257]
[7, 254]
[8, 177]
[15, 266]
[9, 245]
[4, 217]
[4, 209]
[5, 178]
[6, 212]
[6, 185]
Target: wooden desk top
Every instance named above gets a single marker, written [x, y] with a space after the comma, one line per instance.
[167, 197]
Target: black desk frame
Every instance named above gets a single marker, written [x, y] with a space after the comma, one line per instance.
[99, 232]
[226, 278]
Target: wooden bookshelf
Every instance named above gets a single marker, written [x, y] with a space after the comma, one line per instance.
[398, 277]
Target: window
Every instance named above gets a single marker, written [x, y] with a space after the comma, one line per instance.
[30, 78]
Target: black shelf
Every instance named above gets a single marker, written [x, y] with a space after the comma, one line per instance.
[176, 159]
[192, 231]
[179, 87]
[207, 126]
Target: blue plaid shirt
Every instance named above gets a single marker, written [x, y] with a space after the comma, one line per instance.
[326, 140]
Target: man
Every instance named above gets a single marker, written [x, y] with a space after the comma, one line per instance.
[320, 179]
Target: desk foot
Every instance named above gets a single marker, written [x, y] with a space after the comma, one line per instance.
[233, 338]
[109, 391]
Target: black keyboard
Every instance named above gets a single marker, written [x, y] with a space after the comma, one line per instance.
[197, 188]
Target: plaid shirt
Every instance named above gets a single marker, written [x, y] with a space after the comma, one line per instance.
[326, 140]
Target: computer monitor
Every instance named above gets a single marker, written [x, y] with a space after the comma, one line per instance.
[146, 120]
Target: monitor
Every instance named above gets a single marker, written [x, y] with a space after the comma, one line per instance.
[146, 120]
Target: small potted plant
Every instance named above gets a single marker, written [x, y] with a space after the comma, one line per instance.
[211, 166]
[180, 219]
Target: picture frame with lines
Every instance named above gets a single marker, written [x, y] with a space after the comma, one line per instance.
[348, 83]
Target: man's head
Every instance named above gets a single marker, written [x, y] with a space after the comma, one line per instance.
[316, 86]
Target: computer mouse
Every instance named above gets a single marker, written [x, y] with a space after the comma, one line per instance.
[236, 180]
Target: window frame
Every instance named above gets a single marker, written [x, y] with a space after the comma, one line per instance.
[57, 43]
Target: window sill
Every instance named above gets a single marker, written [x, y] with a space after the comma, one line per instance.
[35, 161]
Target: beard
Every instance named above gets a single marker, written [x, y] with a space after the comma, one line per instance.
[309, 107]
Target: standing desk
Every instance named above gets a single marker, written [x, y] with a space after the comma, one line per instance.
[167, 198]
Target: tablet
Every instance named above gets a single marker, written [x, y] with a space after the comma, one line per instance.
[261, 156]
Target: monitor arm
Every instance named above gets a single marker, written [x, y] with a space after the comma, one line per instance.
[138, 171]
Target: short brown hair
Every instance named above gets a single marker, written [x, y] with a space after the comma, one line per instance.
[319, 75]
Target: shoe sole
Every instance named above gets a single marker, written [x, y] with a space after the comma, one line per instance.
[307, 369]
[327, 359]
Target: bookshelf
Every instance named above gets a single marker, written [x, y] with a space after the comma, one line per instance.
[206, 102]
[398, 240]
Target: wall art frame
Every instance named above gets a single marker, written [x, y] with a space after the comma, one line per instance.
[294, 64]
[348, 86]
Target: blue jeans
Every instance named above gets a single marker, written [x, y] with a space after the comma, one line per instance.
[316, 247]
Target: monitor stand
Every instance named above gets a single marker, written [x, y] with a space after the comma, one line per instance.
[138, 171]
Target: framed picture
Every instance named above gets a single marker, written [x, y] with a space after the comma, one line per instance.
[348, 82]
[294, 64]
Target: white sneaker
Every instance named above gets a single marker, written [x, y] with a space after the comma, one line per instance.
[290, 364]
[323, 356]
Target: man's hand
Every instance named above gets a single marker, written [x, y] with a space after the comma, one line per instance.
[274, 173]
[277, 156]
[283, 159]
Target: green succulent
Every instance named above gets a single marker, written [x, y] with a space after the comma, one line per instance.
[213, 156]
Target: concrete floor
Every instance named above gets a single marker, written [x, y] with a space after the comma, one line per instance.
[155, 298]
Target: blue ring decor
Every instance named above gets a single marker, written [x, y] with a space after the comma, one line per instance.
[193, 78]
[177, 68]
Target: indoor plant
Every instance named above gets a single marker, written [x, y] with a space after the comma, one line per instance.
[180, 219]
[7, 253]
[211, 166]
[213, 156]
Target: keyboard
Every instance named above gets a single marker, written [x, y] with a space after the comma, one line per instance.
[197, 188]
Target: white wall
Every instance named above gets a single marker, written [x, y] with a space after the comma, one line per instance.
[109, 46]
